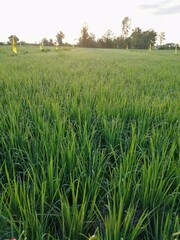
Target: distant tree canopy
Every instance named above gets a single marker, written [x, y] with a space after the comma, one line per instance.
[86, 39]
[168, 46]
[107, 40]
[16, 39]
[142, 39]
[161, 37]
[60, 36]
[137, 39]
[47, 42]
[126, 25]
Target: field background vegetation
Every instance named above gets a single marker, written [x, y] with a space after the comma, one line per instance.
[89, 144]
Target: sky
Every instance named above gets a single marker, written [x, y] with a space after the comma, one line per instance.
[32, 20]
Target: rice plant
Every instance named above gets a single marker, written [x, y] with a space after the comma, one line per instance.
[89, 144]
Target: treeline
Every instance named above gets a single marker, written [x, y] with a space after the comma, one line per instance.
[134, 39]
[138, 39]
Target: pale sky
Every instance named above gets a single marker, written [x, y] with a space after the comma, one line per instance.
[32, 20]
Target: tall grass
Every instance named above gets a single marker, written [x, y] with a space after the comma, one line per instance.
[89, 144]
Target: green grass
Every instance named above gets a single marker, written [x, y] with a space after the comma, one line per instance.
[89, 144]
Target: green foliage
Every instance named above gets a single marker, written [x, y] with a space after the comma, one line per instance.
[16, 39]
[126, 23]
[89, 144]
[86, 39]
[138, 39]
[142, 39]
[60, 36]
[168, 46]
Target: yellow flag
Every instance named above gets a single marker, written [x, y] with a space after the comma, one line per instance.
[56, 45]
[41, 46]
[176, 49]
[14, 49]
[150, 48]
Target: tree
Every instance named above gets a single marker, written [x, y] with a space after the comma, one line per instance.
[91, 40]
[60, 36]
[120, 42]
[51, 42]
[16, 39]
[126, 25]
[84, 36]
[161, 37]
[150, 37]
[87, 39]
[107, 40]
[142, 40]
[45, 42]
[136, 38]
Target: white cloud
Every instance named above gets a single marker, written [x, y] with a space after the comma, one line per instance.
[162, 8]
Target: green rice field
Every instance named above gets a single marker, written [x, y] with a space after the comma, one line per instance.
[89, 144]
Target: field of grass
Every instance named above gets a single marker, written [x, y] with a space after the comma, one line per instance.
[89, 144]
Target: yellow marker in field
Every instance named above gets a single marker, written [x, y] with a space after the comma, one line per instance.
[175, 235]
[56, 45]
[176, 48]
[41, 46]
[14, 49]
[127, 47]
[93, 237]
[150, 48]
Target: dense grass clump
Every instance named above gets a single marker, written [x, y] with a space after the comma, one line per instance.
[89, 144]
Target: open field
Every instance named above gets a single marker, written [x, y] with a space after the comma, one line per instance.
[89, 144]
